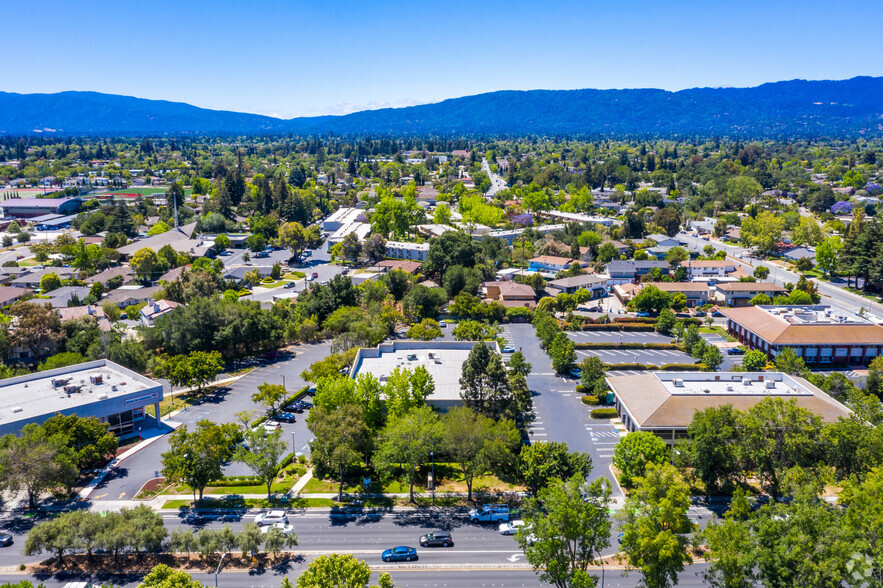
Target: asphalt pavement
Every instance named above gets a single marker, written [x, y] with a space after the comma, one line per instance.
[221, 407]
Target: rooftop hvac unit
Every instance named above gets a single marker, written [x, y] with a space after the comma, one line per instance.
[431, 355]
[72, 389]
[707, 390]
[770, 384]
[59, 382]
[114, 388]
[96, 379]
[746, 381]
[729, 387]
[17, 409]
[102, 396]
[679, 382]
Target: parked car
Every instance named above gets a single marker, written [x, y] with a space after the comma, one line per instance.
[286, 417]
[575, 373]
[699, 313]
[442, 324]
[490, 513]
[289, 285]
[315, 275]
[735, 351]
[262, 254]
[436, 540]
[508, 349]
[642, 314]
[270, 426]
[295, 408]
[271, 518]
[345, 271]
[5, 540]
[225, 253]
[511, 527]
[323, 283]
[400, 553]
[284, 528]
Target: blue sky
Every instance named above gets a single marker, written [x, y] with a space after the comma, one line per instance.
[297, 58]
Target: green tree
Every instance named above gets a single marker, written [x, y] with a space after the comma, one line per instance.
[270, 395]
[337, 570]
[425, 330]
[87, 436]
[761, 272]
[754, 360]
[776, 435]
[484, 384]
[807, 232]
[545, 460]
[406, 442]
[762, 232]
[666, 322]
[162, 576]
[197, 368]
[760, 299]
[711, 448]
[828, 254]
[563, 353]
[263, 455]
[35, 462]
[518, 364]
[477, 443]
[569, 526]
[789, 362]
[712, 357]
[351, 247]
[592, 374]
[222, 243]
[651, 299]
[145, 263]
[195, 458]
[342, 437]
[635, 452]
[676, 255]
[654, 525]
[50, 282]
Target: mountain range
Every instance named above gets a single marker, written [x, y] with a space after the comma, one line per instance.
[795, 108]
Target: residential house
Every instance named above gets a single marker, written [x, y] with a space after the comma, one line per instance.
[797, 253]
[237, 274]
[732, 234]
[664, 240]
[71, 313]
[595, 285]
[740, 293]
[705, 268]
[412, 267]
[10, 295]
[62, 297]
[129, 295]
[180, 239]
[155, 309]
[629, 270]
[32, 279]
[121, 270]
[511, 294]
[696, 292]
[551, 263]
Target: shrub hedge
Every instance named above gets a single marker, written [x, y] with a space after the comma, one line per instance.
[682, 367]
[591, 400]
[604, 413]
[629, 366]
[580, 389]
[620, 327]
[674, 346]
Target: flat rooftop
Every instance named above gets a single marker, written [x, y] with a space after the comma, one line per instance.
[34, 395]
[813, 315]
[442, 359]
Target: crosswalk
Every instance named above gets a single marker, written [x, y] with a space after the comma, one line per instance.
[604, 439]
[537, 430]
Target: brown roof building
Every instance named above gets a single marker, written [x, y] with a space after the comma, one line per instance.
[740, 293]
[664, 403]
[818, 334]
[8, 294]
[412, 267]
[511, 294]
[696, 292]
[71, 313]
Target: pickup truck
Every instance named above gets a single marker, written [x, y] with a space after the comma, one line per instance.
[490, 513]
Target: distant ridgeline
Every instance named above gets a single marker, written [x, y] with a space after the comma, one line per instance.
[797, 108]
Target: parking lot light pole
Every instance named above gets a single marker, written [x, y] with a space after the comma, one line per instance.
[432, 456]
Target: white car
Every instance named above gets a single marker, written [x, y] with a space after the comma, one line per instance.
[442, 324]
[511, 527]
[284, 528]
[270, 426]
[271, 518]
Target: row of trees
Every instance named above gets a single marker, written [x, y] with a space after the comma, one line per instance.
[556, 343]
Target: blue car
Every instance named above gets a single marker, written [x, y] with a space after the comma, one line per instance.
[400, 553]
[642, 314]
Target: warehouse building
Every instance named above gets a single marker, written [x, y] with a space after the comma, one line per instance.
[819, 334]
[35, 207]
[103, 389]
[664, 403]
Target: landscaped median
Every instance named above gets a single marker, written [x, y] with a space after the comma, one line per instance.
[673, 346]
[668, 367]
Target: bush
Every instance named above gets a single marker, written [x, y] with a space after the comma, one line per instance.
[629, 366]
[591, 400]
[682, 367]
[604, 413]
[581, 389]
[634, 319]
[286, 461]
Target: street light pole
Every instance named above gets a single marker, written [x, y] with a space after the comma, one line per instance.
[432, 455]
[218, 571]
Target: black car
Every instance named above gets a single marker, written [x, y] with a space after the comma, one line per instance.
[286, 417]
[295, 408]
[436, 540]
[735, 351]
[5, 539]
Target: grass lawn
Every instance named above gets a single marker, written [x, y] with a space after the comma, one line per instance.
[717, 330]
[275, 284]
[294, 275]
[859, 291]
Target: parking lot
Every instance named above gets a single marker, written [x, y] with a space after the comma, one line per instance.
[617, 337]
[655, 357]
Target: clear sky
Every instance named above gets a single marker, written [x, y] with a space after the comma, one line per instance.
[300, 58]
